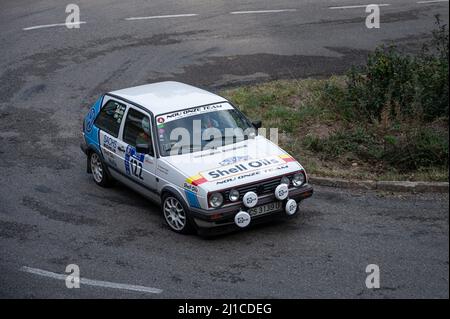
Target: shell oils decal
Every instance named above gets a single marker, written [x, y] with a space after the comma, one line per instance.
[241, 170]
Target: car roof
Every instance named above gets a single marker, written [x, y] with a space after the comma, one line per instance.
[168, 96]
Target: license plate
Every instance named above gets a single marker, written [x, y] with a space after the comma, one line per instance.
[264, 209]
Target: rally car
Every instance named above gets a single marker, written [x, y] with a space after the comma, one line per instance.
[194, 153]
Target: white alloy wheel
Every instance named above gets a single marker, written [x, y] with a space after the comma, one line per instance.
[97, 168]
[174, 213]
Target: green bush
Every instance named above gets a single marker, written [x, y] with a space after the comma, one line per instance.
[389, 116]
[419, 148]
[433, 74]
[400, 85]
[416, 148]
[387, 81]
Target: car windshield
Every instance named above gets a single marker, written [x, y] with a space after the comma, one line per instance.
[201, 128]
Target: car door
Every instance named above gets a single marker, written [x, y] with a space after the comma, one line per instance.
[109, 123]
[137, 130]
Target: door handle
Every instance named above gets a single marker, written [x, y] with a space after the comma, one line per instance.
[121, 148]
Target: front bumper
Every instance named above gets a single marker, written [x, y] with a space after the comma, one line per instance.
[224, 217]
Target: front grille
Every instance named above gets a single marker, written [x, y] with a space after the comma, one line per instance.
[261, 189]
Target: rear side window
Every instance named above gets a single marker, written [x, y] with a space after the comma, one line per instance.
[110, 117]
[137, 128]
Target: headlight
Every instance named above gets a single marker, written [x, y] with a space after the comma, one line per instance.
[298, 179]
[234, 195]
[285, 180]
[215, 200]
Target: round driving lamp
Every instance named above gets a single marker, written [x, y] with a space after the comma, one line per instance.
[234, 195]
[298, 179]
[216, 200]
[250, 199]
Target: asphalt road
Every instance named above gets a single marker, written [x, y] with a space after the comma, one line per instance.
[52, 214]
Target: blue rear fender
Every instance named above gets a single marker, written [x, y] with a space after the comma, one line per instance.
[90, 131]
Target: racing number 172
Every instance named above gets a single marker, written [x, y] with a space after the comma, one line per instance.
[136, 168]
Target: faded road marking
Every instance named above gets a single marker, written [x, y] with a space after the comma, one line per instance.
[53, 25]
[162, 17]
[91, 282]
[358, 6]
[431, 1]
[263, 11]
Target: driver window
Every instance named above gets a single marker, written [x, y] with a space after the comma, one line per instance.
[137, 129]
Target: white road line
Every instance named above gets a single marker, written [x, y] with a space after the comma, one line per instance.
[91, 282]
[358, 6]
[53, 25]
[431, 1]
[263, 11]
[163, 17]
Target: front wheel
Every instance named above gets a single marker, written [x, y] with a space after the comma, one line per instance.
[176, 215]
[98, 170]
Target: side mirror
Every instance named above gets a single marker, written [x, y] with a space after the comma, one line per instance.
[144, 149]
[257, 124]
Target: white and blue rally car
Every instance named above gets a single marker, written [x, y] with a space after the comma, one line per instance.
[171, 142]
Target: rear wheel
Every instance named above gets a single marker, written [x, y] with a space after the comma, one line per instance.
[176, 215]
[98, 170]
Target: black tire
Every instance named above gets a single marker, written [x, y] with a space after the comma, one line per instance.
[98, 170]
[173, 208]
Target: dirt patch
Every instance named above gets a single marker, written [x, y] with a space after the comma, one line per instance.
[210, 71]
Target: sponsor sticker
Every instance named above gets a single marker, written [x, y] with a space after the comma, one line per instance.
[287, 158]
[133, 162]
[160, 120]
[190, 187]
[110, 143]
[241, 168]
[233, 160]
[239, 171]
[192, 111]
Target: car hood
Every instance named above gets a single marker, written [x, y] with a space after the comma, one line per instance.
[235, 164]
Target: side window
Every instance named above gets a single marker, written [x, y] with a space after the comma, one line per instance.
[137, 129]
[110, 117]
